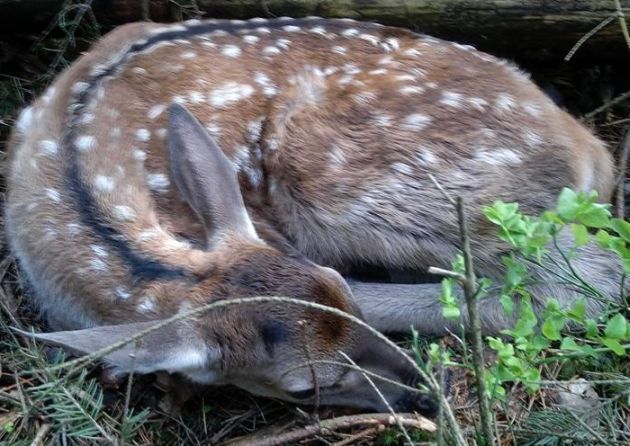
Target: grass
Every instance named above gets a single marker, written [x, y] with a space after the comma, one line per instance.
[48, 406]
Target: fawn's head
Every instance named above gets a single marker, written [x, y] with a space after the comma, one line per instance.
[277, 349]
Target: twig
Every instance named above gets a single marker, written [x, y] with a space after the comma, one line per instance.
[439, 186]
[333, 424]
[383, 399]
[588, 35]
[470, 293]
[589, 429]
[622, 23]
[358, 436]
[607, 105]
[623, 164]
[76, 364]
[41, 433]
[447, 273]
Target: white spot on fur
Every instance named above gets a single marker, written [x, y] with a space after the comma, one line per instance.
[53, 194]
[50, 93]
[291, 28]
[369, 38]
[411, 89]
[498, 157]
[104, 183]
[143, 135]
[188, 55]
[158, 182]
[86, 118]
[271, 50]
[229, 93]
[425, 157]
[283, 43]
[147, 304]
[195, 97]
[148, 235]
[417, 121]
[337, 156]
[531, 109]
[318, 30]
[178, 99]
[161, 133]
[478, 103]
[124, 213]
[339, 49]
[405, 77]
[74, 229]
[263, 30]
[85, 142]
[251, 39]
[231, 51]
[412, 52]
[532, 138]
[451, 99]
[213, 129]
[505, 102]
[391, 44]
[254, 128]
[378, 71]
[139, 155]
[98, 265]
[48, 147]
[25, 119]
[122, 293]
[383, 120]
[403, 168]
[269, 89]
[350, 32]
[139, 70]
[99, 251]
[80, 87]
[156, 111]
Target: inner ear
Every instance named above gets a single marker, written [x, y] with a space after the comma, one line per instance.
[205, 177]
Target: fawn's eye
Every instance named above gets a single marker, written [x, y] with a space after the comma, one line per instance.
[302, 394]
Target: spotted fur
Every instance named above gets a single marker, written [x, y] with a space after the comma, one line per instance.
[334, 130]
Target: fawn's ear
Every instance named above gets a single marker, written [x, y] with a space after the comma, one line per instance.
[205, 177]
[173, 347]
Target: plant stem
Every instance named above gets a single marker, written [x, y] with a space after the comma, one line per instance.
[470, 293]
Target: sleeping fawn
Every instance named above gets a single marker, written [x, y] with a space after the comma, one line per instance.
[177, 165]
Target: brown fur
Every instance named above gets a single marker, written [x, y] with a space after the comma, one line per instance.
[334, 128]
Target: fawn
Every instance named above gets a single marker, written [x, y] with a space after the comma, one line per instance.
[176, 165]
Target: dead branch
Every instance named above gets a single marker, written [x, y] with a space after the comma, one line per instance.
[333, 424]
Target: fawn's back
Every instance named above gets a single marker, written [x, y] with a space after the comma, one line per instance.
[337, 130]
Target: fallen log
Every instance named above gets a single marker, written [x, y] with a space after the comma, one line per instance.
[533, 29]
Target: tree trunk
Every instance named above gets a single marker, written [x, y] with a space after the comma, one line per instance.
[533, 29]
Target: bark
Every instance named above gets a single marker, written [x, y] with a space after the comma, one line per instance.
[533, 29]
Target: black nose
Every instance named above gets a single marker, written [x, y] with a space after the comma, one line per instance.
[418, 402]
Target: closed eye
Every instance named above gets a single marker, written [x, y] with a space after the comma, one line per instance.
[302, 394]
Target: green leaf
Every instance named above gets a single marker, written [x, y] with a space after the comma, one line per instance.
[614, 345]
[567, 204]
[580, 233]
[621, 227]
[592, 332]
[578, 312]
[551, 329]
[568, 343]
[616, 327]
[451, 312]
[507, 303]
[595, 216]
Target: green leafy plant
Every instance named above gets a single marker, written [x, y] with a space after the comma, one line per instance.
[558, 333]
